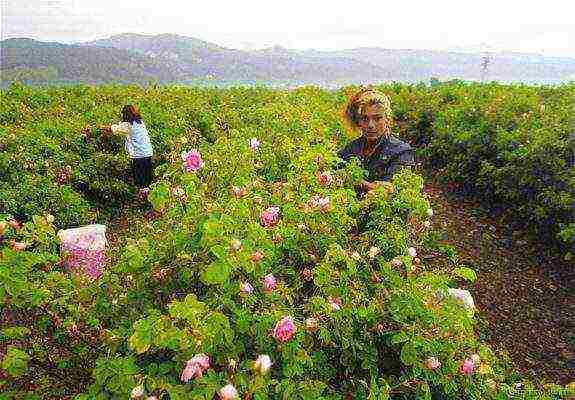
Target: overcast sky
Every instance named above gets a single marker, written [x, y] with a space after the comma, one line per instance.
[544, 27]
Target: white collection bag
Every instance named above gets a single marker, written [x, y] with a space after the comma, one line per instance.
[83, 249]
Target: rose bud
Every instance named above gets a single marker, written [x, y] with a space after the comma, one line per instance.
[373, 252]
[467, 367]
[137, 392]
[236, 244]
[270, 217]
[311, 324]
[257, 256]
[375, 278]
[396, 263]
[18, 246]
[263, 364]
[432, 363]
[14, 224]
[246, 288]
[334, 303]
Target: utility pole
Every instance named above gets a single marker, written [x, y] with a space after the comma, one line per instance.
[486, 60]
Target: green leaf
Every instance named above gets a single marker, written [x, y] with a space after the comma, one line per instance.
[399, 337]
[217, 272]
[466, 273]
[189, 309]
[159, 195]
[15, 362]
[408, 354]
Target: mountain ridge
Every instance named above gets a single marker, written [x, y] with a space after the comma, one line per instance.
[172, 58]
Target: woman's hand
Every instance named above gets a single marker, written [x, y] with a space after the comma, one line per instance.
[105, 128]
[369, 186]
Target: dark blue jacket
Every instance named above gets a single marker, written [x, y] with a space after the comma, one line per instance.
[389, 156]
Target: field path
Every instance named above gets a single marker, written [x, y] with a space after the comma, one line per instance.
[526, 301]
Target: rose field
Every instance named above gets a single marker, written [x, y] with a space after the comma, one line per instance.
[261, 274]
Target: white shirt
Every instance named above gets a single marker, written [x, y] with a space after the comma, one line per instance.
[138, 143]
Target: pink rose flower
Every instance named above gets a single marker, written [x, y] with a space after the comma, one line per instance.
[257, 256]
[307, 274]
[254, 144]
[195, 367]
[270, 216]
[432, 363]
[239, 191]
[177, 191]
[322, 203]
[334, 303]
[192, 160]
[270, 283]
[284, 329]
[324, 178]
[14, 224]
[228, 392]
[246, 288]
[467, 366]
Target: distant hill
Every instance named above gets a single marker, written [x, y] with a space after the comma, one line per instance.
[26, 58]
[202, 59]
[178, 59]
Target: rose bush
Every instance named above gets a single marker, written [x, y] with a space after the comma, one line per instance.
[183, 309]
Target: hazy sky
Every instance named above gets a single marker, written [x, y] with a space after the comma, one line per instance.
[546, 27]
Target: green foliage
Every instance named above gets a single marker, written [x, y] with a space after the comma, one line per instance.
[368, 313]
[15, 362]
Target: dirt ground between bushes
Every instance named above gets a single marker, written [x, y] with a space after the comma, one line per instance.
[526, 301]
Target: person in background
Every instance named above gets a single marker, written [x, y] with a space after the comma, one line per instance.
[379, 152]
[138, 147]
